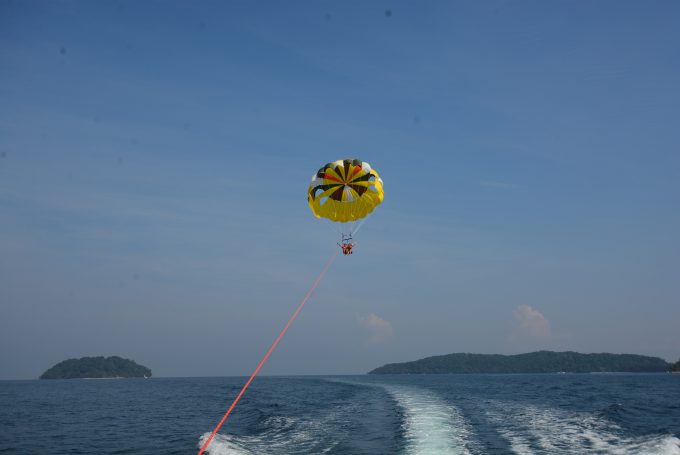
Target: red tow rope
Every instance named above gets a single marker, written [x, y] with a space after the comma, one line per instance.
[266, 356]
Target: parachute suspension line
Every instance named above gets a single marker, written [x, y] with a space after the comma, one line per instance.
[341, 230]
[358, 226]
[271, 348]
[345, 230]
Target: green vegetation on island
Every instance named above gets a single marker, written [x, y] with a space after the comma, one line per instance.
[676, 367]
[533, 362]
[96, 367]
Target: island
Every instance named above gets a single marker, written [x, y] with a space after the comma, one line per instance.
[96, 368]
[676, 367]
[532, 362]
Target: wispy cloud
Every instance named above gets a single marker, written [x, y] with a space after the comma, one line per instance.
[531, 324]
[379, 329]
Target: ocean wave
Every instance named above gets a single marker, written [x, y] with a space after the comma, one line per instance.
[281, 435]
[530, 429]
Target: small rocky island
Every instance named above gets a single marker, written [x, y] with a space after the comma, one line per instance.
[97, 368]
[532, 362]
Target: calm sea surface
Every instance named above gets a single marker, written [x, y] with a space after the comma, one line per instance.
[419, 414]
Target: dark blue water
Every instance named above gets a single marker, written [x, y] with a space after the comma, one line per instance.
[420, 414]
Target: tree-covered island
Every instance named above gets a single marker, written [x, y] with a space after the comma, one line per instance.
[97, 367]
[533, 362]
[676, 367]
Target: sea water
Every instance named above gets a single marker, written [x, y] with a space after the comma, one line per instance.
[400, 414]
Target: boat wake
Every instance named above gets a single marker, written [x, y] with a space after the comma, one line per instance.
[411, 420]
[430, 425]
[530, 429]
[282, 435]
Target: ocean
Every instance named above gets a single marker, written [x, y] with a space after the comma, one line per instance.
[347, 415]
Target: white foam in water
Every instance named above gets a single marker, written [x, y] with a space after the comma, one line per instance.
[431, 426]
[224, 445]
[283, 435]
[534, 430]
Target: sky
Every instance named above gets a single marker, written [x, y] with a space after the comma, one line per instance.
[155, 157]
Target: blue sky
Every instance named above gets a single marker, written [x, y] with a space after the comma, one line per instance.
[154, 158]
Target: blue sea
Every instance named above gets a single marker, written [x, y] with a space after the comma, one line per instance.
[400, 414]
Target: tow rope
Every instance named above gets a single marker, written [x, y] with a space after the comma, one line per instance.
[266, 356]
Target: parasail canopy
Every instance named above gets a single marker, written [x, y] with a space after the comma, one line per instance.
[345, 190]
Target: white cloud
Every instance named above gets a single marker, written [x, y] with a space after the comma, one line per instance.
[532, 324]
[380, 330]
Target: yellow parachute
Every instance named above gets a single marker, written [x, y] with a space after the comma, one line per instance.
[345, 191]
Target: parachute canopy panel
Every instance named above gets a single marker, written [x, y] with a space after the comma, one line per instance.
[345, 190]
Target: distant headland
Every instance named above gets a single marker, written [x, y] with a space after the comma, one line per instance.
[533, 362]
[96, 368]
